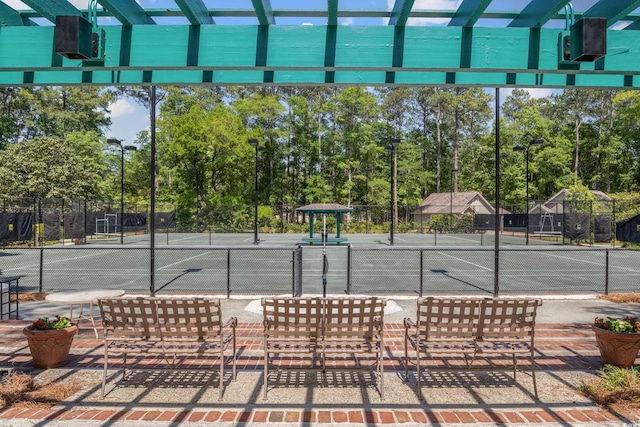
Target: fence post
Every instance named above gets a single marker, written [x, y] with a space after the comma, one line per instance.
[613, 226]
[349, 269]
[228, 273]
[421, 270]
[41, 269]
[606, 273]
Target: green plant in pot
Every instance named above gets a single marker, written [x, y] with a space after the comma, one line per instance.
[618, 340]
[50, 341]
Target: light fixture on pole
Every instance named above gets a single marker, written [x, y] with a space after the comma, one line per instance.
[123, 148]
[451, 201]
[525, 148]
[392, 147]
[254, 143]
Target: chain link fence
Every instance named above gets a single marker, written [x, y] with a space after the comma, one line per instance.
[298, 270]
[37, 222]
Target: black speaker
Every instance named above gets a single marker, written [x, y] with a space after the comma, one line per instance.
[73, 37]
[588, 39]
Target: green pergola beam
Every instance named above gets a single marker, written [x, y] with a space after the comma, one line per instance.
[468, 13]
[614, 11]
[11, 17]
[49, 9]
[538, 12]
[226, 55]
[332, 12]
[264, 13]
[195, 11]
[128, 12]
[400, 12]
[282, 78]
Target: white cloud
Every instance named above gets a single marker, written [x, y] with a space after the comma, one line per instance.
[127, 120]
[534, 92]
[541, 93]
[346, 21]
[121, 107]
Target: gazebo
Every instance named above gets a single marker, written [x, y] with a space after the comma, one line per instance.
[325, 208]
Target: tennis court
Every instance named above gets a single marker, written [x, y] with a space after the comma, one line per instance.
[232, 264]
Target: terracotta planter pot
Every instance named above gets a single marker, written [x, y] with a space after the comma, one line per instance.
[50, 348]
[616, 348]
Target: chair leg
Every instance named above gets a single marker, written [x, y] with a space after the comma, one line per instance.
[234, 358]
[266, 370]
[533, 375]
[406, 359]
[221, 375]
[381, 372]
[418, 375]
[124, 365]
[104, 372]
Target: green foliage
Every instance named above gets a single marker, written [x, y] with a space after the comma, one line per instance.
[626, 325]
[615, 377]
[51, 167]
[321, 145]
[44, 323]
[439, 222]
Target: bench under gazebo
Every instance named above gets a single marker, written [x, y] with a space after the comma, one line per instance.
[325, 209]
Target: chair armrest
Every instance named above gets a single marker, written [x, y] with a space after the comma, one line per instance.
[233, 322]
[408, 323]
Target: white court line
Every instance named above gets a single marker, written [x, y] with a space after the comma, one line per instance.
[183, 260]
[468, 262]
[55, 262]
[588, 262]
[462, 238]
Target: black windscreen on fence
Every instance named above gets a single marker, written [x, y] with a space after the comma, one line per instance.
[576, 226]
[15, 227]
[74, 225]
[134, 221]
[514, 221]
[629, 230]
[602, 228]
[484, 222]
[165, 220]
[51, 221]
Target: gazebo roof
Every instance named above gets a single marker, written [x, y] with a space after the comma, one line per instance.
[324, 208]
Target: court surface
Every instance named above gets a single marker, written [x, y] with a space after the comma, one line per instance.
[232, 264]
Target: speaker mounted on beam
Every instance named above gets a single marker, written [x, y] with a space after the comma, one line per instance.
[74, 38]
[588, 40]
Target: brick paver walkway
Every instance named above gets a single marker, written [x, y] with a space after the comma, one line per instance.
[560, 347]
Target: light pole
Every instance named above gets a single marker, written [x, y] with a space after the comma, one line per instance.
[254, 143]
[118, 143]
[451, 201]
[367, 171]
[526, 148]
[392, 147]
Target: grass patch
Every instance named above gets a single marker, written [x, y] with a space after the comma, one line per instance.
[615, 388]
[18, 389]
[621, 298]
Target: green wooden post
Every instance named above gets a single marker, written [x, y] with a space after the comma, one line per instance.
[338, 216]
[311, 225]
